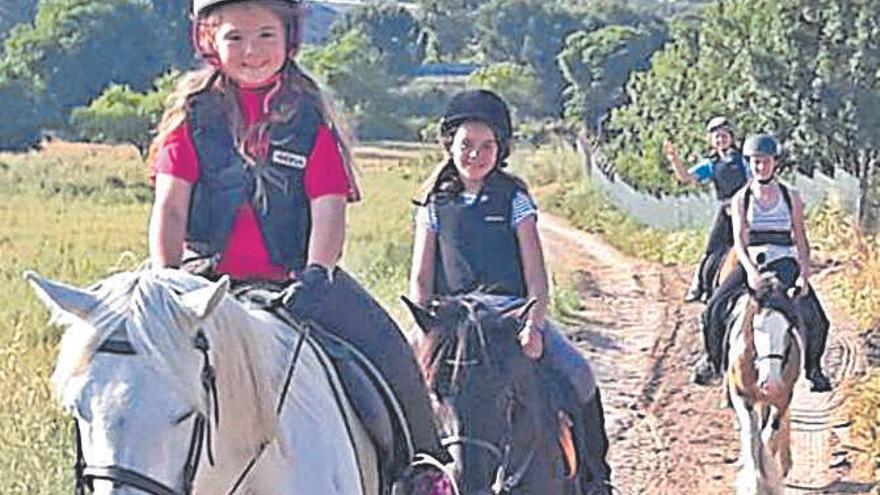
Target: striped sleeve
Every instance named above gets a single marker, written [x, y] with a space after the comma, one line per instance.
[522, 208]
[426, 216]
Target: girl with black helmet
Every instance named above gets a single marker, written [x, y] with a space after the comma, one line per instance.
[252, 178]
[476, 228]
[728, 172]
[769, 236]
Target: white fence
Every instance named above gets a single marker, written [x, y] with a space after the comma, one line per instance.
[698, 210]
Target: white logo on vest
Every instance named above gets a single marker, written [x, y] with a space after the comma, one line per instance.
[288, 159]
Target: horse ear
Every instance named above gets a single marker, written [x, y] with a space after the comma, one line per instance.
[62, 297]
[522, 310]
[424, 318]
[203, 301]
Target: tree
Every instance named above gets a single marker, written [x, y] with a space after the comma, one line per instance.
[596, 65]
[19, 123]
[805, 70]
[517, 84]
[13, 12]
[123, 116]
[449, 27]
[393, 31]
[527, 32]
[356, 74]
[74, 48]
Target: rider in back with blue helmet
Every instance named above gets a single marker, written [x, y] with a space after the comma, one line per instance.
[726, 169]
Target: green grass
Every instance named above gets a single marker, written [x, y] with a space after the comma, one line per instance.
[72, 217]
[556, 177]
[77, 213]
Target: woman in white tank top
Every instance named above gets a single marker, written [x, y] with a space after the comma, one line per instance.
[768, 235]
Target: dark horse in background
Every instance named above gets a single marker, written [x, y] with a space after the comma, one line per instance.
[494, 408]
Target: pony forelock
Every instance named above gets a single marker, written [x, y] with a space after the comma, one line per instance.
[248, 360]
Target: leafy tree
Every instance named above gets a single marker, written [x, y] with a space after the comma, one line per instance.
[19, 123]
[597, 64]
[13, 12]
[356, 73]
[527, 32]
[449, 27]
[121, 115]
[75, 47]
[805, 70]
[394, 32]
[517, 84]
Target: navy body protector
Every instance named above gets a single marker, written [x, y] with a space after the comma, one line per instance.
[775, 237]
[728, 175]
[275, 188]
[477, 244]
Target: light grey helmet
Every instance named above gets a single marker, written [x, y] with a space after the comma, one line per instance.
[762, 144]
[718, 122]
[199, 6]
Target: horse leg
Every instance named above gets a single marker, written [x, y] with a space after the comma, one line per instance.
[746, 482]
[783, 446]
[771, 466]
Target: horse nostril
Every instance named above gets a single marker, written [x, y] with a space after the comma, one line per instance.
[769, 387]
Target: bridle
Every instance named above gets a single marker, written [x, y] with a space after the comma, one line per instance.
[85, 475]
[793, 337]
[780, 357]
[507, 476]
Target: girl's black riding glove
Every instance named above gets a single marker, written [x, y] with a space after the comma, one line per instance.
[305, 295]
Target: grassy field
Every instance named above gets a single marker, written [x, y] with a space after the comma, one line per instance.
[78, 212]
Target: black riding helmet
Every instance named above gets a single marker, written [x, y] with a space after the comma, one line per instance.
[484, 106]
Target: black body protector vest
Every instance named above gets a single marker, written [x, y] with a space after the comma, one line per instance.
[477, 246]
[729, 175]
[275, 188]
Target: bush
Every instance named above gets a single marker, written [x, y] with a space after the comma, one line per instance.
[865, 430]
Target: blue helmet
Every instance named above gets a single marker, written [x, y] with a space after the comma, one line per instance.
[762, 144]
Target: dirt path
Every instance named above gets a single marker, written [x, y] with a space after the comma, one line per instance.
[667, 435]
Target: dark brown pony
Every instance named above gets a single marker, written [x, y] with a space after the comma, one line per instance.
[494, 417]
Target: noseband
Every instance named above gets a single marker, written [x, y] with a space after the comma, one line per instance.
[85, 475]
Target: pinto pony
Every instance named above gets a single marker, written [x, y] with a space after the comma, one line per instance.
[764, 364]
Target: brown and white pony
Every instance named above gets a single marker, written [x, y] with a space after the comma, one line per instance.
[764, 363]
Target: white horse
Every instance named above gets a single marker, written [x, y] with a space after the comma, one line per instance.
[176, 388]
[765, 362]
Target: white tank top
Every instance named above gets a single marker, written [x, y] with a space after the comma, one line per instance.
[772, 218]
